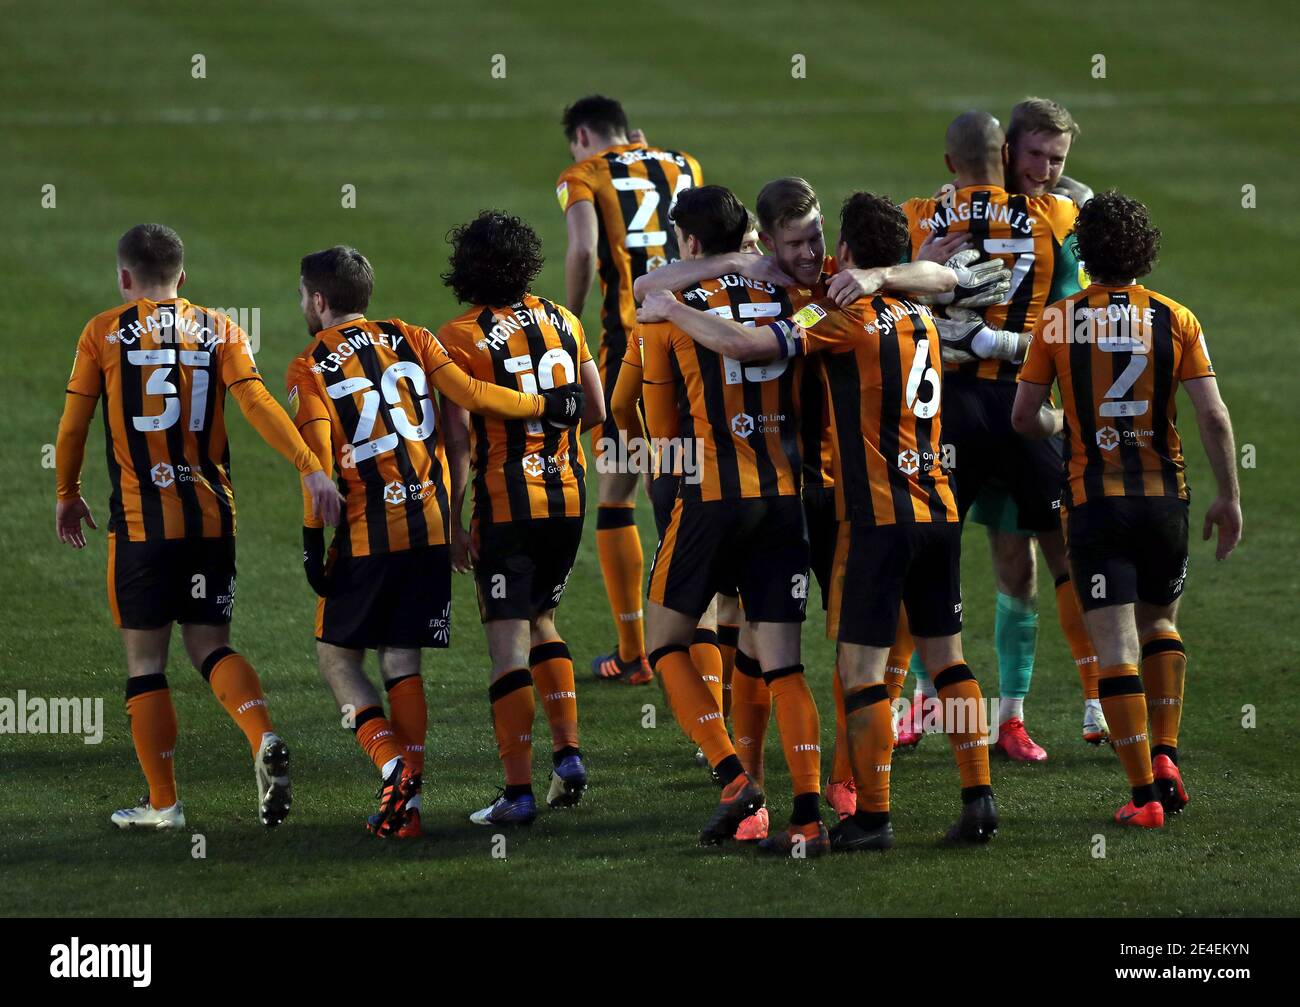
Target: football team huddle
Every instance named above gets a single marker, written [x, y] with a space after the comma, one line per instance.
[792, 410]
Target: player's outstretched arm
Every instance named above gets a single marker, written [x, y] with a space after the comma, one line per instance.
[1031, 416]
[1221, 449]
[721, 335]
[924, 279]
[560, 406]
[274, 426]
[593, 392]
[580, 258]
[455, 425]
[678, 276]
[69, 454]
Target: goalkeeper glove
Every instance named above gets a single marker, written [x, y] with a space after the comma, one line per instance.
[964, 337]
[978, 283]
[564, 405]
[313, 561]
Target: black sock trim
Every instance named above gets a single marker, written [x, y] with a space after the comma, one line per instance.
[728, 769]
[951, 676]
[728, 636]
[1162, 645]
[705, 636]
[366, 714]
[614, 517]
[746, 665]
[1144, 795]
[859, 698]
[871, 819]
[1120, 685]
[1169, 750]
[141, 684]
[519, 678]
[392, 682]
[516, 790]
[559, 756]
[663, 652]
[1063, 579]
[550, 651]
[970, 794]
[771, 676]
[210, 662]
[806, 809]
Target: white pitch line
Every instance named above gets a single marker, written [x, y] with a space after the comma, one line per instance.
[215, 115]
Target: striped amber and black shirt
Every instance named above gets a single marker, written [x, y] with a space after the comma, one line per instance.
[161, 369]
[1028, 233]
[881, 373]
[1118, 355]
[632, 187]
[741, 418]
[523, 469]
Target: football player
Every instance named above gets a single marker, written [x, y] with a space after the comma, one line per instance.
[360, 392]
[1118, 352]
[616, 196]
[898, 538]
[529, 498]
[162, 366]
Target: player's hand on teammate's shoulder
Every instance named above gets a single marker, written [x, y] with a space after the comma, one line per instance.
[848, 285]
[941, 248]
[327, 502]
[637, 136]
[564, 405]
[1226, 513]
[463, 553]
[979, 282]
[656, 307]
[68, 515]
[762, 269]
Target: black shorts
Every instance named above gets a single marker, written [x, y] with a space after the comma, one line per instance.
[392, 599]
[524, 566]
[880, 567]
[823, 528]
[663, 494]
[981, 446]
[1126, 549]
[758, 546]
[153, 584]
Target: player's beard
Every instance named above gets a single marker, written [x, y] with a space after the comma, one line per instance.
[312, 317]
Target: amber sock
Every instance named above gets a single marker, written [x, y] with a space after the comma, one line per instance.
[966, 725]
[409, 715]
[153, 730]
[871, 742]
[841, 762]
[1164, 670]
[1125, 706]
[552, 668]
[376, 736]
[239, 691]
[707, 657]
[1070, 615]
[751, 709]
[728, 640]
[513, 710]
[900, 656]
[618, 545]
[800, 727]
[692, 703]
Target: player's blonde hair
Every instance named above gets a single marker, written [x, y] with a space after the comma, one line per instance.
[1040, 115]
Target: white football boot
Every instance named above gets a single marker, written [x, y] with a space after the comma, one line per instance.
[274, 794]
[146, 816]
[1095, 729]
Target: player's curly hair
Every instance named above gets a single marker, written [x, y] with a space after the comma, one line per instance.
[874, 229]
[494, 259]
[1117, 240]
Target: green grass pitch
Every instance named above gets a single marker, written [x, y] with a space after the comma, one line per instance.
[248, 164]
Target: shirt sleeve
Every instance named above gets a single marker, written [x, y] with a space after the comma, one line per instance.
[658, 388]
[86, 378]
[574, 186]
[1196, 355]
[1039, 367]
[265, 416]
[305, 402]
[236, 351]
[825, 326]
